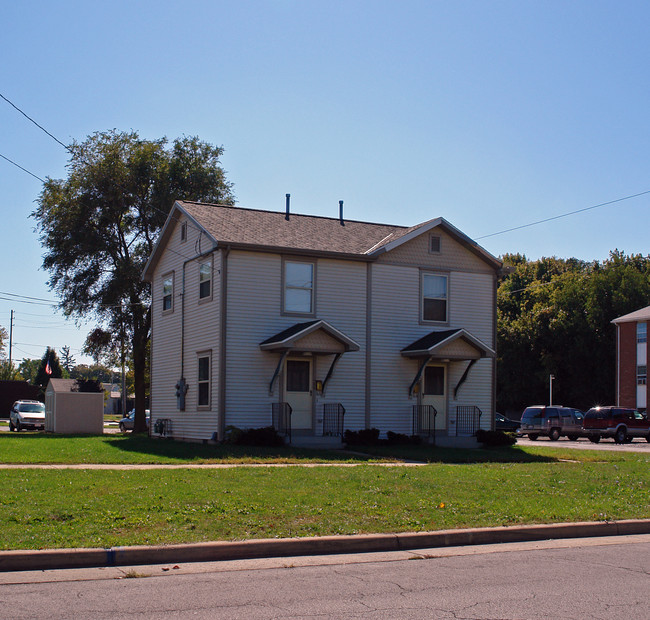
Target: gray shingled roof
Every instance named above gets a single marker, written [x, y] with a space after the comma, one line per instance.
[236, 225]
[639, 315]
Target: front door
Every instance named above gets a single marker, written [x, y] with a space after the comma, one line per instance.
[298, 393]
[434, 393]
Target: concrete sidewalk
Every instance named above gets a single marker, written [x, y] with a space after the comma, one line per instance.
[25, 560]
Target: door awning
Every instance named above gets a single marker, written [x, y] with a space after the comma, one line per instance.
[449, 344]
[316, 337]
[310, 337]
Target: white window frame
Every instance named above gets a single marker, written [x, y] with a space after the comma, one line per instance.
[311, 288]
[203, 280]
[641, 375]
[202, 381]
[641, 332]
[430, 274]
[168, 277]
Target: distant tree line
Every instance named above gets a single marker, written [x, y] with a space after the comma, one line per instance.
[554, 317]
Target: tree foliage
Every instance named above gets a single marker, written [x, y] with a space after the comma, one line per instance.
[554, 317]
[49, 360]
[4, 336]
[67, 359]
[100, 224]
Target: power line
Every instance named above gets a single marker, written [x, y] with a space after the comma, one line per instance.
[23, 169]
[557, 217]
[67, 148]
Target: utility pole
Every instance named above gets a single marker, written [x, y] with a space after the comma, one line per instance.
[11, 335]
[550, 389]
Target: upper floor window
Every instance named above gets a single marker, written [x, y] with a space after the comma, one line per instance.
[299, 287]
[641, 375]
[641, 332]
[168, 292]
[205, 280]
[434, 297]
[184, 231]
[434, 244]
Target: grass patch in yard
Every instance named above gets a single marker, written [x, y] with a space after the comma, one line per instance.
[34, 448]
[65, 508]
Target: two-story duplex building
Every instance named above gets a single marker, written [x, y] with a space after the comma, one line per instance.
[632, 359]
[256, 314]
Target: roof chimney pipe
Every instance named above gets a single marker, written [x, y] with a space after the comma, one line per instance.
[286, 217]
[341, 213]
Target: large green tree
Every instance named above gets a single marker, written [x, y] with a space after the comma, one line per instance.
[554, 317]
[99, 225]
[49, 368]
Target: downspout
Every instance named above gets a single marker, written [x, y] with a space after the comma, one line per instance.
[221, 415]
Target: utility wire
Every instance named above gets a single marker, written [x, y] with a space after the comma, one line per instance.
[23, 169]
[557, 217]
[66, 147]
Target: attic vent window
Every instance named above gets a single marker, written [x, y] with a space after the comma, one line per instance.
[184, 231]
[434, 244]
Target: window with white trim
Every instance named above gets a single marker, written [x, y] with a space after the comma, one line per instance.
[203, 386]
[298, 287]
[641, 375]
[641, 332]
[434, 297]
[168, 292]
[205, 280]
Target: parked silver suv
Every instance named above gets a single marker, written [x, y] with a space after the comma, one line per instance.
[27, 414]
[552, 422]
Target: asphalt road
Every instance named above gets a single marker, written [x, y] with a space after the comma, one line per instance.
[600, 578]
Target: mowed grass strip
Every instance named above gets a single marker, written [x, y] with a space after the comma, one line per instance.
[90, 508]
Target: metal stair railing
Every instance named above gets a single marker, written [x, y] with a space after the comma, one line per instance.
[281, 418]
[333, 414]
[468, 420]
[424, 421]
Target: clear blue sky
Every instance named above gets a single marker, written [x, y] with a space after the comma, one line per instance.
[492, 114]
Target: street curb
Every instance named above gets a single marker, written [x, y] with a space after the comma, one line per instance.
[48, 559]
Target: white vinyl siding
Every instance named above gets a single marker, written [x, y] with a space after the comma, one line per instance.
[201, 334]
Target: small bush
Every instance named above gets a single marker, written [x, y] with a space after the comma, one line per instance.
[400, 438]
[260, 437]
[495, 438]
[364, 437]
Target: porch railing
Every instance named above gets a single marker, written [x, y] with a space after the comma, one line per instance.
[281, 418]
[424, 420]
[468, 420]
[333, 414]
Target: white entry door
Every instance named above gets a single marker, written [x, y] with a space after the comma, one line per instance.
[434, 393]
[298, 392]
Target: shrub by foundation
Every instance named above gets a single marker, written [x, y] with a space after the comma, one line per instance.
[495, 438]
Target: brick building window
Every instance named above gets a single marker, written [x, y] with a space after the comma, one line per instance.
[641, 375]
[641, 332]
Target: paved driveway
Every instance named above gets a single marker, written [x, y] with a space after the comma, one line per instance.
[637, 445]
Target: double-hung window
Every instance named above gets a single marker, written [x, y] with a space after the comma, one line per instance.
[298, 287]
[205, 280]
[641, 375]
[434, 297]
[204, 380]
[168, 293]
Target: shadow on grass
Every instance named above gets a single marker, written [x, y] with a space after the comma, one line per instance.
[423, 453]
[198, 452]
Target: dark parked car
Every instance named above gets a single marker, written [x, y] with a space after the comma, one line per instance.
[621, 423]
[552, 422]
[501, 423]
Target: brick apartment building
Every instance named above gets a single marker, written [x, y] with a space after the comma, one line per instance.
[632, 359]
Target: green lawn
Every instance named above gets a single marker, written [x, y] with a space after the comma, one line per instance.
[99, 508]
